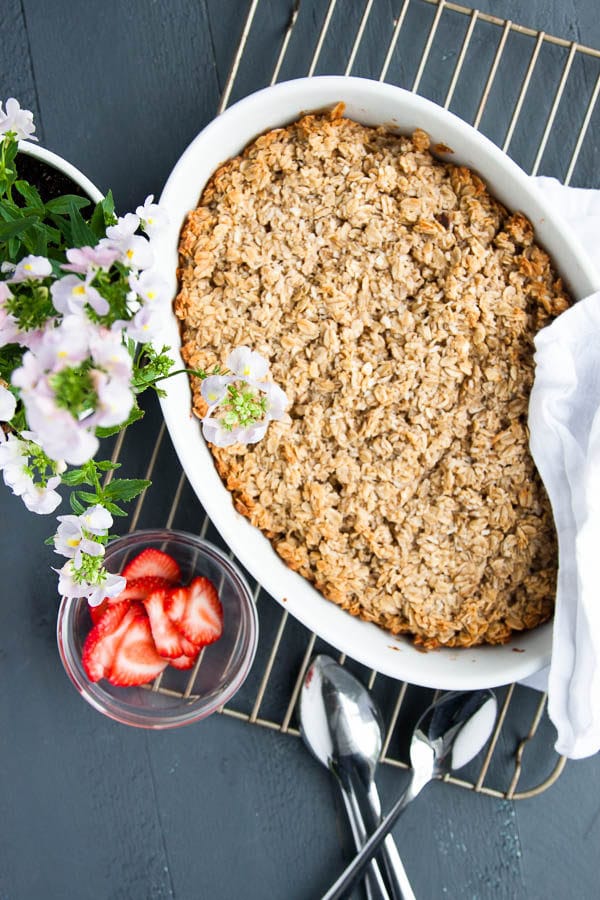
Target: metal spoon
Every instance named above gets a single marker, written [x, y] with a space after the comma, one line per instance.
[341, 725]
[447, 736]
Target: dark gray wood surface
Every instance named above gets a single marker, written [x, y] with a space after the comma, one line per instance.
[91, 809]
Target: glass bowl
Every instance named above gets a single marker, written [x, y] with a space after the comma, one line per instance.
[175, 697]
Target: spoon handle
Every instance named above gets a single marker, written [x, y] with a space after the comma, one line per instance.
[354, 870]
[396, 877]
[374, 885]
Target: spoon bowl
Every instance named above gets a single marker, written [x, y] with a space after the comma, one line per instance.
[342, 726]
[449, 734]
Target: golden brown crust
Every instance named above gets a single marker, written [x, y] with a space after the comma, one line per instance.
[397, 302]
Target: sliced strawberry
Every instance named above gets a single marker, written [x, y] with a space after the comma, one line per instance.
[183, 662]
[176, 603]
[136, 660]
[167, 637]
[153, 563]
[188, 648]
[96, 612]
[199, 615]
[101, 643]
[135, 589]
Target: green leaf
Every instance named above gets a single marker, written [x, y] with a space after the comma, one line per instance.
[11, 357]
[73, 477]
[134, 416]
[114, 509]
[125, 488]
[77, 507]
[89, 498]
[103, 215]
[81, 232]
[30, 195]
[63, 205]
[105, 465]
[17, 226]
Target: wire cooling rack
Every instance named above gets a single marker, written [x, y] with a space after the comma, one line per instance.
[535, 96]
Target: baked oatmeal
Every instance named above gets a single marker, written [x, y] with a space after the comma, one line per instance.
[396, 300]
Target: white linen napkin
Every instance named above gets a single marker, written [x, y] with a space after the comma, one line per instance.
[564, 422]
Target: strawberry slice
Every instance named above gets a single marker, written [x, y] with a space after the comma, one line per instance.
[167, 637]
[175, 608]
[183, 662]
[136, 660]
[153, 563]
[136, 589]
[199, 615]
[96, 612]
[102, 641]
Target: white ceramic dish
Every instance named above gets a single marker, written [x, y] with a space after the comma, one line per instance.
[371, 103]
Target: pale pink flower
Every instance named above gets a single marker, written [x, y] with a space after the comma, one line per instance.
[30, 268]
[18, 121]
[70, 295]
[9, 329]
[108, 353]
[85, 259]
[59, 434]
[115, 400]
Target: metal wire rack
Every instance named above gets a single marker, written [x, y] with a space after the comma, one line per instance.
[535, 95]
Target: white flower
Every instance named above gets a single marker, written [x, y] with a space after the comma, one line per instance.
[42, 500]
[152, 216]
[31, 268]
[17, 120]
[69, 586]
[136, 253]
[115, 400]
[134, 250]
[149, 286]
[125, 228]
[8, 404]
[247, 364]
[14, 462]
[219, 429]
[70, 294]
[213, 431]
[277, 400]
[96, 519]
[73, 539]
[214, 388]
[85, 259]
[145, 325]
